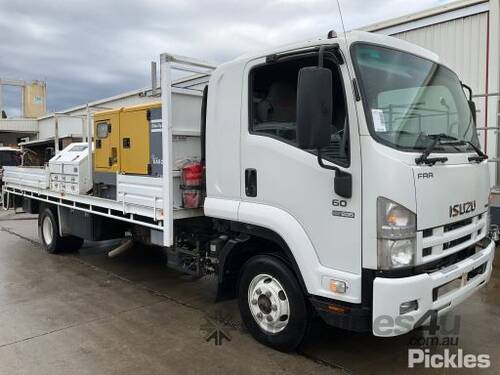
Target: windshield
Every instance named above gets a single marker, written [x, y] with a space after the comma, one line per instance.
[9, 158]
[409, 100]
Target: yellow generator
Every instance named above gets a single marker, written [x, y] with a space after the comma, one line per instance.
[122, 145]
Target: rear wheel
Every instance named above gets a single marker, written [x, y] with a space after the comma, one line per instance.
[48, 229]
[272, 304]
[72, 243]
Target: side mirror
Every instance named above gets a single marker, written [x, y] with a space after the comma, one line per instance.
[473, 110]
[314, 107]
[343, 184]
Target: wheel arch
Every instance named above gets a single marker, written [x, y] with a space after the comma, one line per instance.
[252, 240]
[288, 229]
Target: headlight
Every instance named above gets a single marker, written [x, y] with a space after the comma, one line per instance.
[396, 232]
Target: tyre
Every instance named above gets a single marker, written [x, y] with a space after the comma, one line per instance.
[72, 243]
[272, 304]
[48, 229]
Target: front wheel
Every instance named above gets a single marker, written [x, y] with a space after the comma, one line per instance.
[272, 304]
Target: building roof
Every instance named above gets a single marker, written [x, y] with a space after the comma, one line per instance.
[447, 12]
[18, 125]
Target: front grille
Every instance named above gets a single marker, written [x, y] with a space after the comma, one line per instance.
[458, 224]
[449, 238]
[427, 233]
[456, 242]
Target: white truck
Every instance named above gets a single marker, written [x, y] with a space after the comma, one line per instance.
[343, 178]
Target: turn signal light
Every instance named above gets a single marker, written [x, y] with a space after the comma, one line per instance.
[338, 309]
[337, 286]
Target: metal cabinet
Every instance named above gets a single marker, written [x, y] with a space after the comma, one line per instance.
[122, 140]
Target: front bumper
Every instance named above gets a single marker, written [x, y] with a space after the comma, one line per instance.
[389, 293]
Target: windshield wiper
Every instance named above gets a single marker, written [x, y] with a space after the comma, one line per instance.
[480, 154]
[425, 159]
[462, 142]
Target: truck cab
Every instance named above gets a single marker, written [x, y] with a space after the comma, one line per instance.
[359, 156]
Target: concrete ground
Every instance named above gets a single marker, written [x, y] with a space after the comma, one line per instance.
[84, 313]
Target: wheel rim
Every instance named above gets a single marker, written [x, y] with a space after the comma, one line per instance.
[268, 303]
[47, 230]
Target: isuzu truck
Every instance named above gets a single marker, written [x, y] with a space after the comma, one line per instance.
[341, 177]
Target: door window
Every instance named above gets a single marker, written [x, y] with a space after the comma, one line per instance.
[273, 100]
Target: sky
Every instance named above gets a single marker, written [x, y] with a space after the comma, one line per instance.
[88, 49]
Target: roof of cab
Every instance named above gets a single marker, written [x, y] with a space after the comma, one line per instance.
[355, 36]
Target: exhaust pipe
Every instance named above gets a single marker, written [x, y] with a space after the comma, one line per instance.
[121, 249]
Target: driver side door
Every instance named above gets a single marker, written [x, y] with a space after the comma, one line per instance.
[275, 172]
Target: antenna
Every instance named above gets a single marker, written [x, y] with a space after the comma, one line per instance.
[342, 21]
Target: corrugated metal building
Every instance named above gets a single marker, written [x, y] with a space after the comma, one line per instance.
[466, 36]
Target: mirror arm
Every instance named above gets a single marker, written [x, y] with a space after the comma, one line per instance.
[468, 88]
[323, 165]
[323, 51]
[343, 180]
[326, 166]
[335, 57]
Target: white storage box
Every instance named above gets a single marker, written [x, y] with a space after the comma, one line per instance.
[69, 170]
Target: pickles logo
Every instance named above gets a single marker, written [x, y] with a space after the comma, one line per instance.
[462, 208]
[447, 359]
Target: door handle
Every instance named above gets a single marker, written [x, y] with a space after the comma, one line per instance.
[251, 182]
